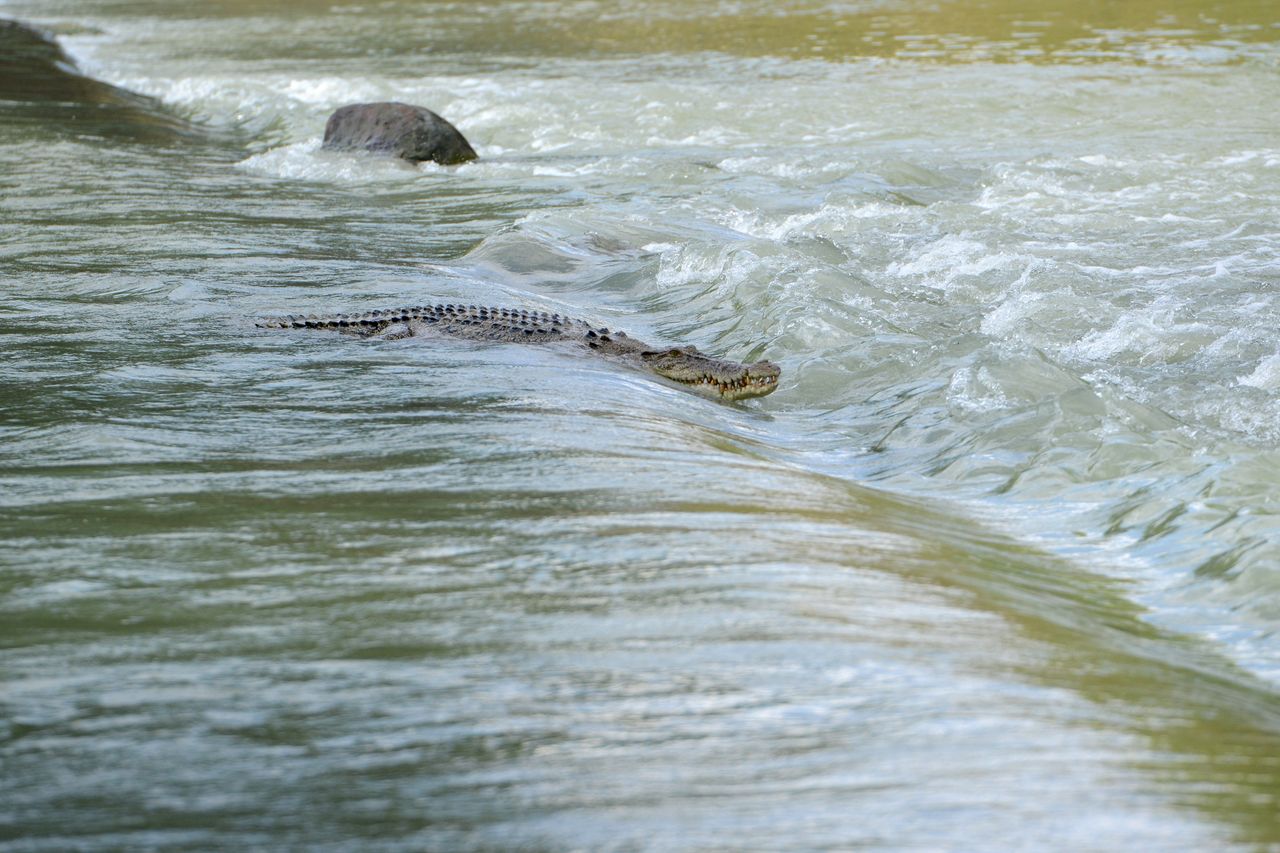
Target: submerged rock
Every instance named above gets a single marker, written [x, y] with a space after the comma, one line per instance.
[401, 130]
[40, 85]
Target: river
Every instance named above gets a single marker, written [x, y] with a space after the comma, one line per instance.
[997, 567]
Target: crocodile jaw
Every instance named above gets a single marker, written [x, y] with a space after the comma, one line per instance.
[724, 380]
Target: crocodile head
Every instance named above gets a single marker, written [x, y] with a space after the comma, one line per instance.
[725, 380]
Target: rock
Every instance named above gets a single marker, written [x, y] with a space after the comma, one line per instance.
[401, 130]
[40, 86]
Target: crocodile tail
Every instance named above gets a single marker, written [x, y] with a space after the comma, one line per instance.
[342, 321]
[446, 314]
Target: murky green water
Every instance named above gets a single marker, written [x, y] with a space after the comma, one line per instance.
[996, 567]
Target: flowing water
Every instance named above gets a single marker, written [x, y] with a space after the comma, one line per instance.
[997, 567]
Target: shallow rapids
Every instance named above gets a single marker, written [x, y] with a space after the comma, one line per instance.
[995, 567]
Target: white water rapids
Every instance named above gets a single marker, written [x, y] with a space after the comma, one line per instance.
[1025, 291]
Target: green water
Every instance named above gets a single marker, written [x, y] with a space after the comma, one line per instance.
[995, 568]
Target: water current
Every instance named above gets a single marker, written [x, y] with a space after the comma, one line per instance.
[997, 566]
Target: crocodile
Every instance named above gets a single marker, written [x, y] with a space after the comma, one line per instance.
[713, 377]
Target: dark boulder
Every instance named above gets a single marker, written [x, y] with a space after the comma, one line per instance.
[40, 86]
[401, 130]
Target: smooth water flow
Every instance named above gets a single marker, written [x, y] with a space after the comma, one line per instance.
[997, 566]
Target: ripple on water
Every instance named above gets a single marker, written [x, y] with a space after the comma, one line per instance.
[389, 595]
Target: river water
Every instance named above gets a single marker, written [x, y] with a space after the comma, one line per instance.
[997, 567]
